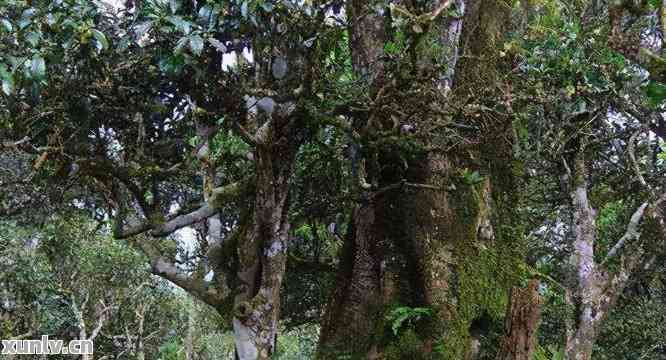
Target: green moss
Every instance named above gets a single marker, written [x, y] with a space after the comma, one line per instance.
[480, 292]
[483, 273]
[408, 346]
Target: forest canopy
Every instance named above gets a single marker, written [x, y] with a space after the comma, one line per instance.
[334, 179]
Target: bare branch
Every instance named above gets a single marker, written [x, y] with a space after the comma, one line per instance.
[439, 9]
[163, 267]
[101, 320]
[182, 221]
[632, 156]
[15, 144]
[219, 198]
[632, 233]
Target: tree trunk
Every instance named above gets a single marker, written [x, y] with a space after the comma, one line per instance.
[355, 305]
[263, 250]
[595, 289]
[351, 315]
[522, 323]
[443, 238]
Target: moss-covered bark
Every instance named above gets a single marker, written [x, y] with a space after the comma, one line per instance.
[445, 240]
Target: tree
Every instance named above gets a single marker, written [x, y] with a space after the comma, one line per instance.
[116, 94]
[590, 120]
[79, 281]
[430, 228]
[449, 149]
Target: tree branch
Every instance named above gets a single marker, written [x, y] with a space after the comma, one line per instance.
[166, 269]
[632, 157]
[219, 198]
[244, 134]
[632, 233]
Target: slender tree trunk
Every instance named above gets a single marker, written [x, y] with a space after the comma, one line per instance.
[595, 288]
[263, 250]
[141, 316]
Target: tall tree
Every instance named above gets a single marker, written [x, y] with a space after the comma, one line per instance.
[142, 107]
[596, 150]
[435, 179]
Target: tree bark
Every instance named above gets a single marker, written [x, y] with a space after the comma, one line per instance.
[522, 323]
[263, 250]
[354, 306]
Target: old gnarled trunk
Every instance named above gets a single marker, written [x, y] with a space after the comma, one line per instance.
[442, 239]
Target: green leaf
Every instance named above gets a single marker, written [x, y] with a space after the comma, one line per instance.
[51, 19]
[208, 16]
[124, 43]
[403, 313]
[7, 79]
[662, 154]
[38, 67]
[180, 23]
[101, 38]
[180, 44]
[33, 38]
[244, 9]
[656, 92]
[141, 29]
[267, 6]
[26, 16]
[172, 65]
[655, 4]
[174, 5]
[196, 44]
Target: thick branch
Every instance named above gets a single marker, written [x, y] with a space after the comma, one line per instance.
[101, 320]
[584, 225]
[219, 198]
[163, 267]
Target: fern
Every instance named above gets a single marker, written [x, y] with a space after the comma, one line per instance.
[402, 314]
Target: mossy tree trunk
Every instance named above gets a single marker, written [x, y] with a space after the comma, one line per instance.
[440, 232]
[350, 319]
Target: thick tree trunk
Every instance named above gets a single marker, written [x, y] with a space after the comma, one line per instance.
[522, 323]
[440, 240]
[351, 314]
[355, 305]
